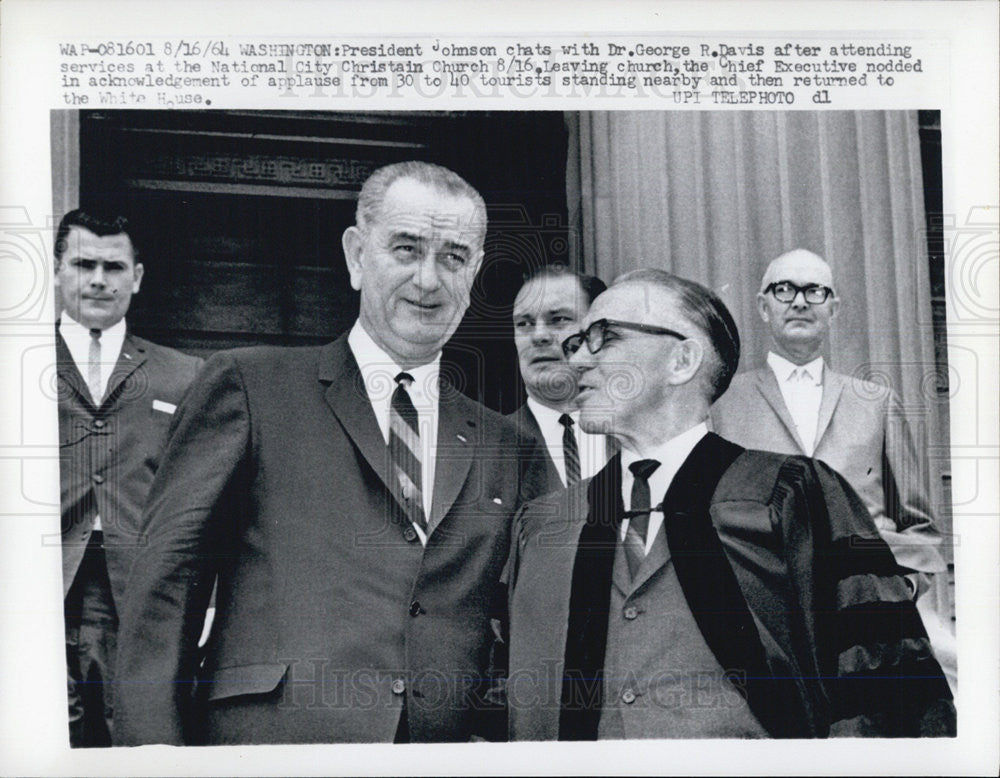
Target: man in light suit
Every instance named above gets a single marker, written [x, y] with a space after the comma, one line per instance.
[548, 308]
[116, 396]
[355, 506]
[693, 588]
[797, 405]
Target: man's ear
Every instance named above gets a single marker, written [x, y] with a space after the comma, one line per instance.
[762, 307]
[354, 244]
[685, 361]
[137, 277]
[834, 306]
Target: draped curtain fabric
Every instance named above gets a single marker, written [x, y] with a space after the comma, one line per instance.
[716, 196]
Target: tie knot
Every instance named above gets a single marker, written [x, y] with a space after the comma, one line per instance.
[643, 468]
[566, 420]
[404, 379]
[95, 334]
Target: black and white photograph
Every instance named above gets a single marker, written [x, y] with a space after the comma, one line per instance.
[433, 430]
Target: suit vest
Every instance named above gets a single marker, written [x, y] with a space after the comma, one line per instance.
[661, 680]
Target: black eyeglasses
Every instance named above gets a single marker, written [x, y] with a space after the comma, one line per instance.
[596, 333]
[785, 292]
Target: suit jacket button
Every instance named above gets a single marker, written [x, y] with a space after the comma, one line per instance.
[398, 686]
[415, 609]
[631, 613]
[409, 534]
[99, 423]
[628, 696]
[98, 478]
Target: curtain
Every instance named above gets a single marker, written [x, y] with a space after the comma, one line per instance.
[715, 196]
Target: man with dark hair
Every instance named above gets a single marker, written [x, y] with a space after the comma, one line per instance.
[693, 588]
[548, 308]
[355, 506]
[116, 396]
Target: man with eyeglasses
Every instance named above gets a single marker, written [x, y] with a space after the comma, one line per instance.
[693, 588]
[797, 405]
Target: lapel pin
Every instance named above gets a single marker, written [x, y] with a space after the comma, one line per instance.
[498, 501]
[461, 437]
[126, 355]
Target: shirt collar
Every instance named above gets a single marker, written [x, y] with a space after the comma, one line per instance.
[545, 415]
[783, 369]
[670, 454]
[379, 370]
[77, 340]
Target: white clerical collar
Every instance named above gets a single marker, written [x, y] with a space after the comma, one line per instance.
[375, 365]
[783, 369]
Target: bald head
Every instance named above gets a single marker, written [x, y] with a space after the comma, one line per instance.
[798, 326]
[798, 263]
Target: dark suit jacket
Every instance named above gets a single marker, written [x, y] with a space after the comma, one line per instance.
[785, 574]
[863, 435]
[329, 611]
[527, 426]
[109, 455]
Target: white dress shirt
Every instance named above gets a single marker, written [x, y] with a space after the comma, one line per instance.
[593, 449]
[802, 389]
[77, 339]
[379, 371]
[671, 456]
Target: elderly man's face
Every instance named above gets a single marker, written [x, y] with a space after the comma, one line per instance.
[547, 310]
[415, 268]
[626, 382]
[799, 323]
[96, 277]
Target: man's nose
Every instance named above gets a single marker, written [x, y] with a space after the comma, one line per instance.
[541, 334]
[427, 276]
[97, 275]
[800, 301]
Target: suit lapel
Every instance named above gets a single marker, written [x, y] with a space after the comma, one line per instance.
[833, 385]
[133, 355]
[527, 423]
[347, 397]
[457, 425]
[767, 385]
[69, 373]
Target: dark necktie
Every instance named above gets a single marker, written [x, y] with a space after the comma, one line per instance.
[571, 454]
[404, 449]
[94, 368]
[635, 535]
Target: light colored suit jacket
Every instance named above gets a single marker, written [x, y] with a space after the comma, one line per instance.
[109, 454]
[862, 434]
[330, 614]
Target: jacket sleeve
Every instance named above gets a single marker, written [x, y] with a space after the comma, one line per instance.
[913, 537]
[171, 580]
[873, 653]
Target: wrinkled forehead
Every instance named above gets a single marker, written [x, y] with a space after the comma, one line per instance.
[801, 268]
[550, 293]
[640, 303]
[81, 242]
[428, 210]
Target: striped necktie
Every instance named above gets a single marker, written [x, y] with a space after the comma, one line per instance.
[404, 449]
[94, 383]
[571, 453]
[638, 524]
